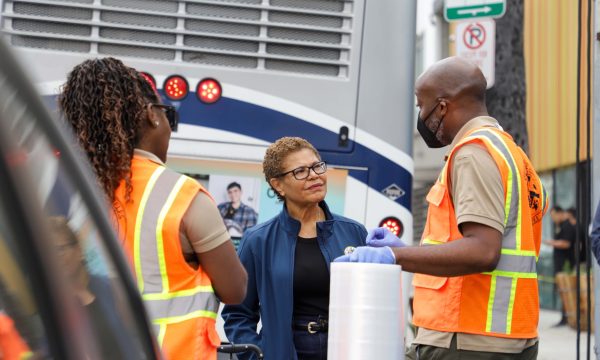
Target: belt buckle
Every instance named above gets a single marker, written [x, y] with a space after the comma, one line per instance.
[310, 325]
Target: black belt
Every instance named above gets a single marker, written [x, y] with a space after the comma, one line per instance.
[313, 327]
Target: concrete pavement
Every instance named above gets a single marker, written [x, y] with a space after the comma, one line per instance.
[559, 343]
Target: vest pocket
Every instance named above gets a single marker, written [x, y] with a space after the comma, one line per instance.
[429, 281]
[436, 194]
[437, 229]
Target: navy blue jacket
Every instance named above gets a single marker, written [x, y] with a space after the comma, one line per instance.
[267, 252]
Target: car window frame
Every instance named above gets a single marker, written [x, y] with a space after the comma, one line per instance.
[41, 282]
[27, 223]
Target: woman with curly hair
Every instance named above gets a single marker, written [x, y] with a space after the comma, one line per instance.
[288, 259]
[172, 233]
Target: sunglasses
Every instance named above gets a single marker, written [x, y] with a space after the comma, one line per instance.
[171, 114]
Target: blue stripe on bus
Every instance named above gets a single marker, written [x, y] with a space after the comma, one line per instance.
[269, 125]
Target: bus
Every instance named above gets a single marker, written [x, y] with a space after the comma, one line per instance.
[243, 73]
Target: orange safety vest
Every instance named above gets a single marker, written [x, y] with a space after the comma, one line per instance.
[12, 345]
[503, 302]
[180, 301]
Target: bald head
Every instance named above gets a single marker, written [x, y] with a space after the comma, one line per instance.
[449, 94]
[453, 77]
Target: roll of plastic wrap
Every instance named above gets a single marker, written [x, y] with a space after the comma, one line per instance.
[365, 312]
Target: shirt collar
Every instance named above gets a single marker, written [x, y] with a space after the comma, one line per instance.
[293, 226]
[147, 155]
[474, 123]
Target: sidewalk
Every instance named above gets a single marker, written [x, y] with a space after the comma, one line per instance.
[559, 343]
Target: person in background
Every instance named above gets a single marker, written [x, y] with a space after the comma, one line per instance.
[476, 291]
[172, 233]
[288, 259]
[572, 218]
[237, 216]
[563, 247]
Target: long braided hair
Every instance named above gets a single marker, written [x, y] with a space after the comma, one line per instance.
[104, 101]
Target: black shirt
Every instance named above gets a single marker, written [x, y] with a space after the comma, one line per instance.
[566, 231]
[311, 279]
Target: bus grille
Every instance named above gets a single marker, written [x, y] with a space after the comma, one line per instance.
[297, 36]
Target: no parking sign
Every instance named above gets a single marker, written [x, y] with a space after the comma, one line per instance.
[476, 41]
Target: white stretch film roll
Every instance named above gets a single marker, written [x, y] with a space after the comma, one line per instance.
[365, 312]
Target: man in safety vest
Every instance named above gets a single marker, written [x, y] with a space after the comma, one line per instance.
[476, 283]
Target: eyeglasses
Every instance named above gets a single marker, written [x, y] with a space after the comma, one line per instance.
[171, 114]
[302, 172]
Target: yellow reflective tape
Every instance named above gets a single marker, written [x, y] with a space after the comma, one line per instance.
[490, 307]
[512, 274]
[509, 194]
[192, 315]
[512, 177]
[161, 334]
[26, 355]
[530, 253]
[511, 306]
[137, 262]
[432, 242]
[442, 176]
[518, 179]
[160, 247]
[180, 293]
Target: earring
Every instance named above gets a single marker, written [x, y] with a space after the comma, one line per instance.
[156, 123]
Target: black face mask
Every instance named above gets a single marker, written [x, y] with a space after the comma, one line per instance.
[428, 135]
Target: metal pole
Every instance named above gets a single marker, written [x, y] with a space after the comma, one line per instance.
[578, 192]
[588, 173]
[596, 170]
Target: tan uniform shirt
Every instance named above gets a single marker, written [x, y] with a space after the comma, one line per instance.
[202, 228]
[477, 193]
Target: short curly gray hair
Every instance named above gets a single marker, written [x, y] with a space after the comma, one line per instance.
[278, 151]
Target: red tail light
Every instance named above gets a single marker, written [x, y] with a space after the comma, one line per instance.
[176, 88]
[150, 79]
[393, 224]
[209, 91]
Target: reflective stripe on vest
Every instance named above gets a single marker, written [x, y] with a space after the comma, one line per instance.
[514, 263]
[165, 307]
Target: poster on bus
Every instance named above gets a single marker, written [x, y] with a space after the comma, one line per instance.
[237, 198]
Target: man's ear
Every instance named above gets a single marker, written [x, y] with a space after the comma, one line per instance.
[443, 106]
[276, 184]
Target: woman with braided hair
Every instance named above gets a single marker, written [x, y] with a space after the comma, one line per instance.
[171, 230]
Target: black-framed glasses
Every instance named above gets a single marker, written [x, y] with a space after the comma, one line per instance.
[302, 172]
[171, 113]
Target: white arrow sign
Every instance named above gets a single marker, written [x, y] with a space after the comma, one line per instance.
[474, 12]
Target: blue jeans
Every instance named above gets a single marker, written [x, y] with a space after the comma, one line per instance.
[309, 346]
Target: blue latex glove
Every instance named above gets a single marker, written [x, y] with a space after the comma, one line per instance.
[382, 236]
[366, 254]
